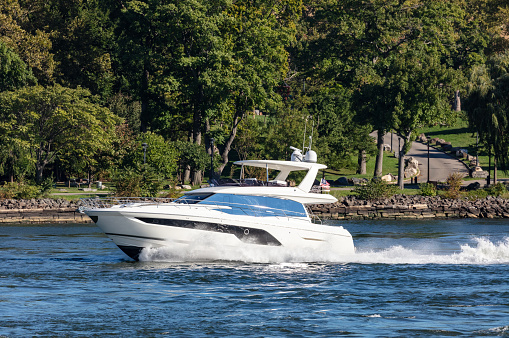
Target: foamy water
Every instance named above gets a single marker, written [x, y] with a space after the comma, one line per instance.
[482, 251]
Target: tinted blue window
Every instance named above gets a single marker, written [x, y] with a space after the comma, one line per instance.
[192, 198]
[257, 205]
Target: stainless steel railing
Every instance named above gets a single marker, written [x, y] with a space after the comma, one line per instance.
[250, 210]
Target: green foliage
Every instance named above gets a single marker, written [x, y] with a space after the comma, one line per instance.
[159, 155]
[56, 122]
[31, 43]
[136, 182]
[14, 73]
[488, 105]
[375, 190]
[23, 190]
[191, 156]
[340, 137]
[427, 189]
[497, 189]
[476, 194]
[133, 177]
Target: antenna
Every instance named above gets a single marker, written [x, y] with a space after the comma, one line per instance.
[311, 137]
[304, 138]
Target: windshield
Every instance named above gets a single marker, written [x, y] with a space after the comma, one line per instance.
[192, 198]
[258, 205]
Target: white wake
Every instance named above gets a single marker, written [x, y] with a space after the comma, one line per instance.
[481, 251]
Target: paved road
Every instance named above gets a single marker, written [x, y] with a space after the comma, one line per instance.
[441, 165]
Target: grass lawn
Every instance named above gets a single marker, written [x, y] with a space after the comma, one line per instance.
[460, 136]
[390, 165]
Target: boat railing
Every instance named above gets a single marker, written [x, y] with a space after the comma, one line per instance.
[314, 218]
[108, 202]
[228, 207]
[247, 182]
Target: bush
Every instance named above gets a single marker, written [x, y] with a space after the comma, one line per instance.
[454, 181]
[476, 194]
[136, 183]
[428, 189]
[22, 190]
[375, 190]
[496, 190]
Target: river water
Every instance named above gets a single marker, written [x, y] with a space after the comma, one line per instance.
[407, 279]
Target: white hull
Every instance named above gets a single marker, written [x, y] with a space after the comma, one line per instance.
[180, 227]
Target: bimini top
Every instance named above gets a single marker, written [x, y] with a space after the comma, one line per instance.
[300, 193]
[286, 167]
[281, 165]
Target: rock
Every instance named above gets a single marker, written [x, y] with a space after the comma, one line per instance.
[342, 181]
[473, 186]
[479, 174]
[422, 138]
[461, 153]
[359, 181]
[411, 162]
[388, 178]
[387, 147]
[411, 172]
[447, 146]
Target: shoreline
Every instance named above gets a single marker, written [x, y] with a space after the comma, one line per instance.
[37, 211]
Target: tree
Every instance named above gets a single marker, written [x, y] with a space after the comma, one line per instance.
[31, 44]
[83, 40]
[488, 105]
[14, 73]
[55, 121]
[420, 90]
[339, 136]
[359, 44]
[206, 62]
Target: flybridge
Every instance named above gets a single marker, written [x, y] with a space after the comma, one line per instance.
[285, 168]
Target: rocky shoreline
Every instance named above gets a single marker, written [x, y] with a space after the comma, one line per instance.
[413, 207]
[41, 211]
[397, 207]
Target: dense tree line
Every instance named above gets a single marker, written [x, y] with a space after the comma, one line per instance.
[83, 84]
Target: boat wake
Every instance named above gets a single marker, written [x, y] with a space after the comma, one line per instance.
[481, 251]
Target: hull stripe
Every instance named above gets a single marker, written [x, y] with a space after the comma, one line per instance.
[245, 234]
[133, 236]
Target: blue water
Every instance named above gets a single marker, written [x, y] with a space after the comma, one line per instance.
[407, 279]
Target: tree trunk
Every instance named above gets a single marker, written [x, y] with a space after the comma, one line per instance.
[380, 155]
[457, 101]
[144, 100]
[494, 170]
[186, 176]
[224, 155]
[196, 175]
[401, 161]
[361, 162]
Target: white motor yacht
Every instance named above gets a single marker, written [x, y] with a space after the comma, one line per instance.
[243, 213]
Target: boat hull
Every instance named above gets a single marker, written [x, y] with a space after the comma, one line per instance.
[203, 233]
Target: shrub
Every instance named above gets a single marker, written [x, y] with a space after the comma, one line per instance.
[476, 194]
[496, 190]
[130, 182]
[454, 182]
[428, 189]
[22, 190]
[375, 190]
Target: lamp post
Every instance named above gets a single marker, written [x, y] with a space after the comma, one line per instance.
[428, 160]
[145, 146]
[211, 158]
